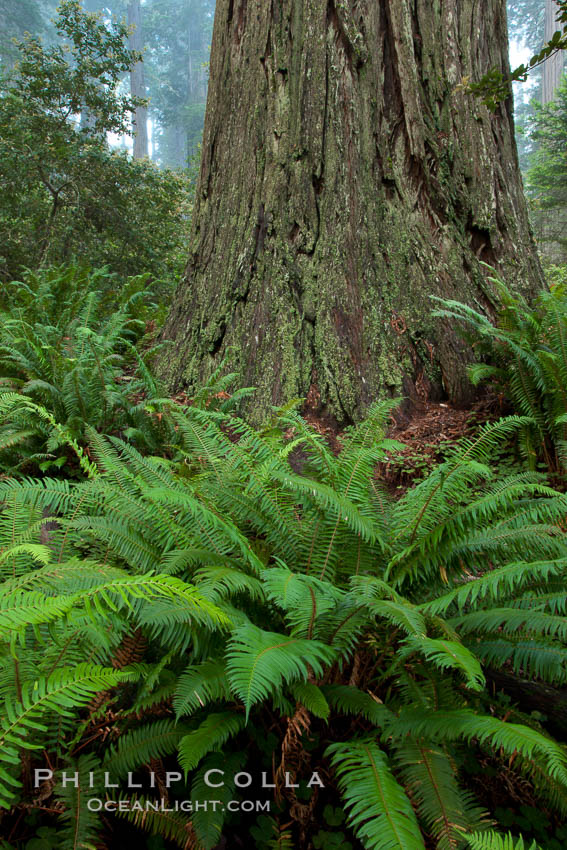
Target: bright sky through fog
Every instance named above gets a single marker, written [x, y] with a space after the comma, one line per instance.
[521, 55]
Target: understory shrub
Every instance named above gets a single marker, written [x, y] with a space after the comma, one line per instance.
[67, 196]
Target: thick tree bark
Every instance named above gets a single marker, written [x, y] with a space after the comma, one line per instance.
[552, 67]
[137, 81]
[343, 181]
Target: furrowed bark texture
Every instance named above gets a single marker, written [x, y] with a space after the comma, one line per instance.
[344, 181]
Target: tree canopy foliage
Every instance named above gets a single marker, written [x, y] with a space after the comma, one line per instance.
[66, 194]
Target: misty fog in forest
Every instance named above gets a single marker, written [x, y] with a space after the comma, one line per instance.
[175, 36]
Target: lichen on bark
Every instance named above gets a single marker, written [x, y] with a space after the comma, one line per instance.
[344, 180]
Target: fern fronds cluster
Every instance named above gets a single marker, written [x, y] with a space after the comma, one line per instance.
[260, 594]
[524, 354]
[68, 360]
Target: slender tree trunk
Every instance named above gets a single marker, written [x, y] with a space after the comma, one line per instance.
[190, 60]
[137, 81]
[552, 67]
[87, 119]
[344, 180]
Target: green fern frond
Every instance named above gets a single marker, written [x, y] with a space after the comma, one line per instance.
[80, 824]
[37, 552]
[22, 609]
[152, 816]
[312, 698]
[199, 685]
[66, 689]
[221, 581]
[208, 821]
[496, 584]
[303, 598]
[546, 661]
[465, 725]
[494, 841]
[430, 776]
[213, 732]
[258, 662]
[141, 746]
[379, 811]
[349, 700]
[511, 621]
[447, 654]
[335, 505]
[402, 614]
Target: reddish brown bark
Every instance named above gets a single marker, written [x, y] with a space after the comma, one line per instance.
[344, 180]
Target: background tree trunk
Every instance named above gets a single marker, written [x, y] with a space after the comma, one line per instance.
[137, 81]
[87, 119]
[552, 67]
[343, 181]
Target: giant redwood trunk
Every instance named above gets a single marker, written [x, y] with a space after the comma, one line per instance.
[344, 180]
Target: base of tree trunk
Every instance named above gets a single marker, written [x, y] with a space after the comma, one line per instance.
[344, 181]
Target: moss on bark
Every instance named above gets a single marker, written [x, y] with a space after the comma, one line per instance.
[344, 180]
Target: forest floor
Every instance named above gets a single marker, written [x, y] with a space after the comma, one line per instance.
[428, 432]
[432, 429]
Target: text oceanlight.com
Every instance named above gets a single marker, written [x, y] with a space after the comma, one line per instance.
[213, 778]
[96, 804]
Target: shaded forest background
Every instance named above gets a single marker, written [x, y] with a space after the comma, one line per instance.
[174, 38]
